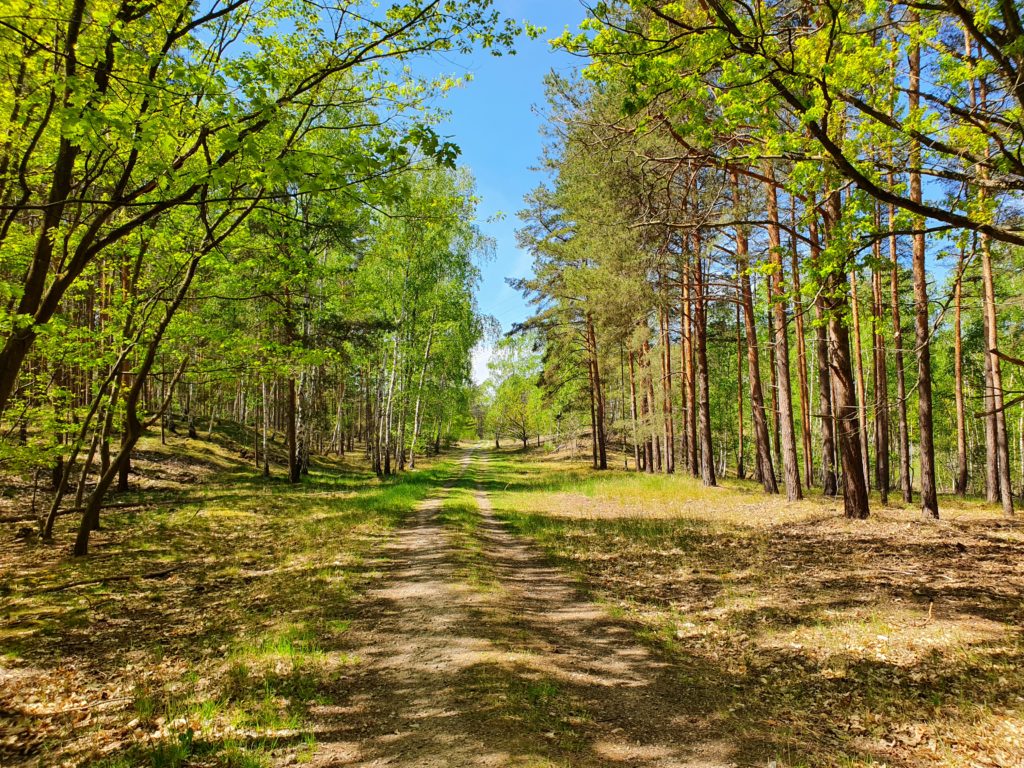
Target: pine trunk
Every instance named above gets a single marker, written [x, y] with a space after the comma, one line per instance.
[801, 357]
[960, 480]
[707, 458]
[762, 444]
[922, 320]
[741, 471]
[787, 434]
[881, 388]
[666, 394]
[903, 428]
[637, 454]
[829, 479]
[862, 399]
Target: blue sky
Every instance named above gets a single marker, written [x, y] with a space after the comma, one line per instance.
[494, 123]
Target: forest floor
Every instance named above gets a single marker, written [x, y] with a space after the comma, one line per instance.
[507, 608]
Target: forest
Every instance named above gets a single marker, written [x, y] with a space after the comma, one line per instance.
[783, 245]
[290, 248]
[737, 487]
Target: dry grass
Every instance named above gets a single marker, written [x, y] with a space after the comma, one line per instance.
[215, 663]
[799, 636]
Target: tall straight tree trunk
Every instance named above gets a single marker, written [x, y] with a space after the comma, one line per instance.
[386, 440]
[903, 428]
[646, 407]
[417, 414]
[593, 411]
[684, 421]
[855, 489]
[597, 442]
[762, 446]
[622, 406]
[294, 468]
[998, 485]
[1020, 445]
[801, 358]
[688, 378]
[960, 481]
[1002, 441]
[741, 471]
[881, 385]
[829, 480]
[773, 387]
[266, 427]
[922, 324]
[302, 424]
[790, 461]
[637, 455]
[991, 451]
[666, 389]
[855, 492]
[762, 443]
[862, 400]
[338, 435]
[707, 457]
[602, 447]
[992, 348]
[291, 407]
[649, 382]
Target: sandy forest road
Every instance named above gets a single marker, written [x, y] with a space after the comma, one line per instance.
[518, 670]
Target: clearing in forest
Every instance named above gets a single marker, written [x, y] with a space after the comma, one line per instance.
[510, 608]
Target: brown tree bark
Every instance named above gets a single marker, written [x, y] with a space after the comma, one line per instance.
[741, 471]
[637, 453]
[790, 461]
[1002, 441]
[836, 304]
[903, 428]
[858, 353]
[649, 382]
[829, 479]
[707, 458]
[855, 492]
[801, 357]
[294, 469]
[666, 390]
[684, 415]
[647, 405]
[601, 458]
[773, 387]
[922, 324]
[881, 387]
[688, 378]
[991, 454]
[762, 445]
[960, 481]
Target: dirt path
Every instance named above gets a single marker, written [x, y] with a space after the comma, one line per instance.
[515, 669]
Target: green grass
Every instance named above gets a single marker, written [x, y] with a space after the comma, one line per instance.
[460, 514]
[796, 636]
[223, 657]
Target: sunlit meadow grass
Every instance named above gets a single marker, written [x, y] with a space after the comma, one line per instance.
[804, 637]
[218, 661]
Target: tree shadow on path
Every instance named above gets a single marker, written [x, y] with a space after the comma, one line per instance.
[518, 671]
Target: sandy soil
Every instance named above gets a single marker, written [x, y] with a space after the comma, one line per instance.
[519, 670]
